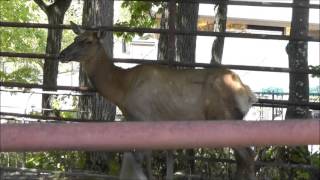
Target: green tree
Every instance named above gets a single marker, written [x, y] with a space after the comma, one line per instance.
[97, 13]
[187, 20]
[136, 14]
[315, 71]
[20, 40]
[297, 51]
[29, 40]
[55, 13]
[298, 60]
[220, 23]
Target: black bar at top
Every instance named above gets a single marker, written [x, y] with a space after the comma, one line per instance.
[163, 62]
[166, 31]
[239, 3]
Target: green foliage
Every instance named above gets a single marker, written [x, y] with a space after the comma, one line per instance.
[60, 101]
[137, 14]
[20, 40]
[286, 156]
[315, 70]
[302, 175]
[55, 160]
[24, 74]
[32, 40]
[73, 14]
[114, 166]
[68, 37]
[205, 163]
[17, 10]
[315, 159]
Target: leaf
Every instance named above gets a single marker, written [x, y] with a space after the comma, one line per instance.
[21, 40]
[139, 17]
[315, 70]
[24, 74]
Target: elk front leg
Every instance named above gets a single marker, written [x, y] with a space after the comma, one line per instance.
[245, 164]
[148, 157]
[131, 167]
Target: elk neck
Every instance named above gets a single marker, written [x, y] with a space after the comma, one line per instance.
[109, 80]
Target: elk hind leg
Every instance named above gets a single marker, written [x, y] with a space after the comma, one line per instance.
[245, 163]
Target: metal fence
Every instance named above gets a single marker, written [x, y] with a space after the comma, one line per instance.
[277, 105]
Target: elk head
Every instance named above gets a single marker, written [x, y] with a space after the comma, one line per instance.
[84, 47]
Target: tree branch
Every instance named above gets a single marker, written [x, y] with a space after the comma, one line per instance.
[42, 5]
[63, 5]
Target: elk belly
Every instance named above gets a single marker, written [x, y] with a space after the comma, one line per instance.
[164, 103]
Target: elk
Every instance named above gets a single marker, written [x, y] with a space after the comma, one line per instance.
[158, 92]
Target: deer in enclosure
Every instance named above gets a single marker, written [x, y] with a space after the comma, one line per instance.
[157, 92]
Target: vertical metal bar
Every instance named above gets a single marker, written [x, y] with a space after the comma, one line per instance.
[172, 29]
[24, 159]
[273, 116]
[170, 165]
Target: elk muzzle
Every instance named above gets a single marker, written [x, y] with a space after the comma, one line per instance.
[66, 55]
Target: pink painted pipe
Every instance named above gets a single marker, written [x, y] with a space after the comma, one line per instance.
[121, 136]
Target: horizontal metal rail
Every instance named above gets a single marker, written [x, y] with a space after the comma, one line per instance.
[163, 62]
[29, 91]
[18, 117]
[92, 92]
[26, 173]
[239, 3]
[166, 31]
[285, 103]
[39, 86]
[5, 115]
[257, 163]
[29, 55]
[117, 136]
[95, 175]
[262, 102]
[206, 65]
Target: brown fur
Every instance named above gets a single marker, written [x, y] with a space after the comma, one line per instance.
[157, 93]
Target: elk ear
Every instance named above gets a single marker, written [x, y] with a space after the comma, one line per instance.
[101, 34]
[75, 28]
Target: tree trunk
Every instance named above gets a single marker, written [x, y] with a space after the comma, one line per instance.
[244, 156]
[187, 19]
[55, 13]
[163, 38]
[220, 23]
[298, 83]
[298, 60]
[97, 13]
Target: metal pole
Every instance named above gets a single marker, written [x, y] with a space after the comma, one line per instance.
[156, 135]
